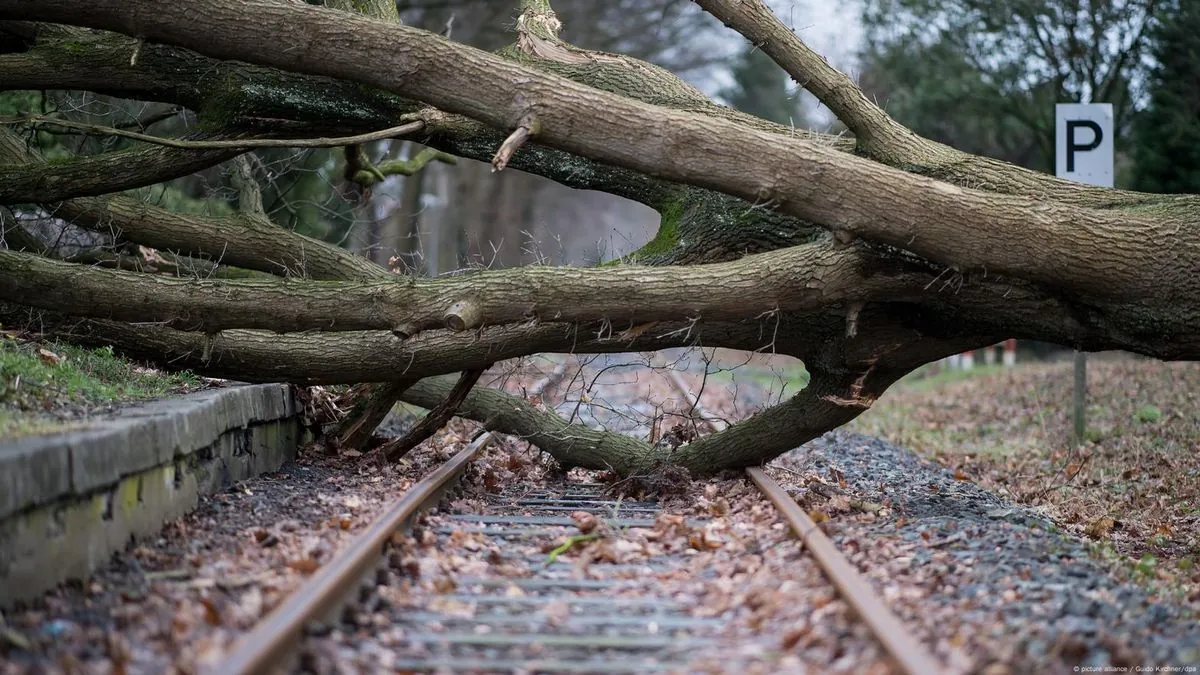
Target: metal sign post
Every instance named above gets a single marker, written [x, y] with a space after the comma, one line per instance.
[1084, 153]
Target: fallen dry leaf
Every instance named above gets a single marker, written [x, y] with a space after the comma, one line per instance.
[793, 636]
[585, 521]
[265, 538]
[212, 616]
[720, 507]
[1099, 528]
[304, 565]
[428, 538]
[604, 551]
[251, 602]
[50, 358]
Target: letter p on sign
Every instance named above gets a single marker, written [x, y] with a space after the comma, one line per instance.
[1084, 142]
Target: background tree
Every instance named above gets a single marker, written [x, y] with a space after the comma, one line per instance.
[1166, 136]
[984, 76]
[762, 89]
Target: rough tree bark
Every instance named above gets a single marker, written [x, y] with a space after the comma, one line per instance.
[864, 257]
[1092, 251]
[794, 279]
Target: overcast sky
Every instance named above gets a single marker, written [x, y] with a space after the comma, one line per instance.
[831, 27]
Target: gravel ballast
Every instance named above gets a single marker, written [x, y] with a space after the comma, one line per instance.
[974, 571]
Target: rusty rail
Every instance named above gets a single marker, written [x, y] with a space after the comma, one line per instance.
[899, 642]
[268, 645]
[272, 641]
[908, 652]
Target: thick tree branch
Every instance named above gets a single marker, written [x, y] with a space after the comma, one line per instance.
[435, 419]
[220, 92]
[15, 237]
[831, 399]
[872, 127]
[818, 339]
[570, 444]
[246, 241]
[881, 137]
[161, 262]
[103, 174]
[801, 278]
[371, 407]
[243, 240]
[249, 191]
[355, 357]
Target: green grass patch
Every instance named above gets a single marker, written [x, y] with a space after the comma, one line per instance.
[794, 377]
[927, 378]
[1147, 414]
[52, 386]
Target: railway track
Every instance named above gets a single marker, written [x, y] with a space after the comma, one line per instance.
[511, 596]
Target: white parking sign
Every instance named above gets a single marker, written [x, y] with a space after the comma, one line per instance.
[1084, 142]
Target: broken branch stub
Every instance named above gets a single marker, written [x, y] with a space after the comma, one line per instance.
[524, 131]
[463, 315]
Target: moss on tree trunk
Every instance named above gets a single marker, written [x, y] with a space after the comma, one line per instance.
[890, 250]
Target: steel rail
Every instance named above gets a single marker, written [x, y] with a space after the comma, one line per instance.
[908, 652]
[267, 646]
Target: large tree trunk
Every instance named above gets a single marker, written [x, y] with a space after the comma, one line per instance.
[865, 258]
[1091, 251]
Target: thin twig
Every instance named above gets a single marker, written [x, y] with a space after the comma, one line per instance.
[94, 130]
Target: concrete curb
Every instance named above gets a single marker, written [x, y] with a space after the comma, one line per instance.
[68, 501]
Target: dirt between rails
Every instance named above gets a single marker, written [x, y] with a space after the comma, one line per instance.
[988, 586]
[718, 550]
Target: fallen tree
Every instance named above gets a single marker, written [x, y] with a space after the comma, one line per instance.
[865, 258]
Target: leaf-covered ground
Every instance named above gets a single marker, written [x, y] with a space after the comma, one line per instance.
[49, 386]
[1132, 487]
[988, 586]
